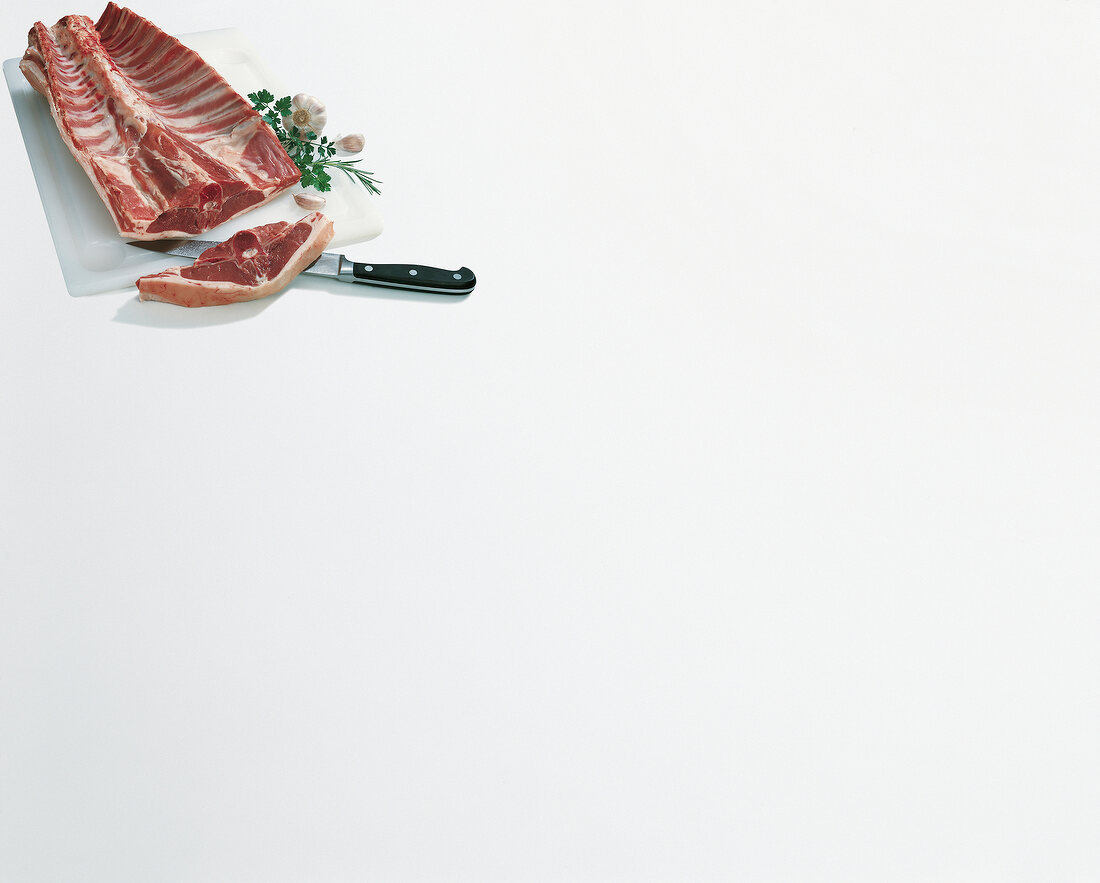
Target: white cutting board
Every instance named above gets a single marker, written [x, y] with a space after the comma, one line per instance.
[93, 257]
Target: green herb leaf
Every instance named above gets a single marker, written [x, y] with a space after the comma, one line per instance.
[310, 153]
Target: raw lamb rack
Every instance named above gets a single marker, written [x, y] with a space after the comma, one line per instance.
[171, 149]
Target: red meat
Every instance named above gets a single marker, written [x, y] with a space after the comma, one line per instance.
[171, 149]
[252, 264]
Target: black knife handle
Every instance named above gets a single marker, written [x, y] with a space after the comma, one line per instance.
[414, 277]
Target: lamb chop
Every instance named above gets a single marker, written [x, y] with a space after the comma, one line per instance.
[249, 265]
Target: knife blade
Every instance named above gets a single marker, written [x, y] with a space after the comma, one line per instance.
[407, 277]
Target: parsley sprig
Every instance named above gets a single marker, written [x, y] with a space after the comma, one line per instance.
[312, 155]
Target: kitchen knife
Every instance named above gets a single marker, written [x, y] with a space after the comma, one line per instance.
[407, 277]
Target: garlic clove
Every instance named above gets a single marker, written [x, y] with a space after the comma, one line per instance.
[351, 143]
[310, 201]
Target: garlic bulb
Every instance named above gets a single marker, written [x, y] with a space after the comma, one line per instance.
[351, 143]
[310, 201]
[307, 113]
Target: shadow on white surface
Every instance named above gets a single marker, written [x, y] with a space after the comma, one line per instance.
[154, 314]
[350, 289]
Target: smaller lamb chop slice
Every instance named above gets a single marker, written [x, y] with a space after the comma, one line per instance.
[249, 265]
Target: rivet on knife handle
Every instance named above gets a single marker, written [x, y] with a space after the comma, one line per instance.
[414, 277]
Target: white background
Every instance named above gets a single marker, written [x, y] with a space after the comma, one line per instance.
[741, 526]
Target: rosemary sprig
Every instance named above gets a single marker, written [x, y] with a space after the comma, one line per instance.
[364, 178]
[312, 155]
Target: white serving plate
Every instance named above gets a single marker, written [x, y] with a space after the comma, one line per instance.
[93, 257]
